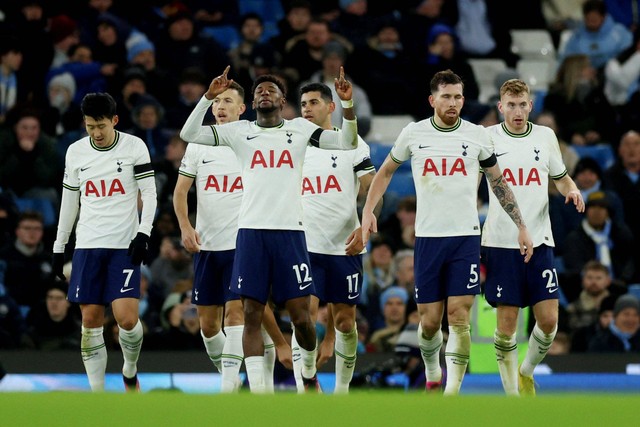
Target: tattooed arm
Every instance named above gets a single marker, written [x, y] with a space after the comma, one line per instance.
[508, 201]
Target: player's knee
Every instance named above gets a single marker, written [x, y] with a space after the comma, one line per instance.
[547, 324]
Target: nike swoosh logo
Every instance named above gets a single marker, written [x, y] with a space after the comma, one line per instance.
[123, 290]
[470, 286]
[553, 290]
[303, 287]
[204, 162]
[84, 169]
[249, 138]
[500, 154]
[353, 297]
[423, 146]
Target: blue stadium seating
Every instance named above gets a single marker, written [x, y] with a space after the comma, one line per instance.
[227, 36]
[402, 183]
[39, 204]
[379, 153]
[601, 153]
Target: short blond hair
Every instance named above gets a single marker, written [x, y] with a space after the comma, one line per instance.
[515, 87]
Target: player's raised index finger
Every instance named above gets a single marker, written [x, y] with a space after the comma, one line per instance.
[341, 73]
[226, 71]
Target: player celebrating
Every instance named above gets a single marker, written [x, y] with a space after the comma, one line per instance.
[219, 187]
[271, 153]
[331, 182]
[446, 154]
[529, 156]
[104, 172]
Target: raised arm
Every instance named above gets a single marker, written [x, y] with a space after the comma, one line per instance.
[348, 138]
[508, 201]
[193, 131]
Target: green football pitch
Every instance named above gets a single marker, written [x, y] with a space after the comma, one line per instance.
[358, 409]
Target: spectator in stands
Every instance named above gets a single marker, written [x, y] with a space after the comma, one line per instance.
[377, 276]
[483, 31]
[112, 35]
[134, 85]
[251, 31]
[192, 85]
[416, 23]
[303, 53]
[625, 12]
[64, 34]
[182, 47]
[596, 283]
[28, 262]
[577, 100]
[54, 324]
[334, 56]
[10, 62]
[623, 333]
[443, 53]
[624, 177]
[383, 61]
[622, 84]
[89, 75]
[28, 159]
[214, 12]
[142, 54]
[294, 23]
[30, 25]
[166, 171]
[355, 22]
[561, 15]
[400, 228]
[173, 264]
[393, 305]
[598, 36]
[148, 124]
[62, 114]
[588, 178]
[569, 155]
[402, 268]
[581, 337]
[600, 238]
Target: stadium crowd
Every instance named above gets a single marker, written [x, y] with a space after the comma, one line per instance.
[157, 57]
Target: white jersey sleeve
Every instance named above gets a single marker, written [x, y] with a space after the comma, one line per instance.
[527, 161]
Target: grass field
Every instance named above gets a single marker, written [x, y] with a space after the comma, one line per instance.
[359, 409]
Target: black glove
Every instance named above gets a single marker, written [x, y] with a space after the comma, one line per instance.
[57, 264]
[139, 249]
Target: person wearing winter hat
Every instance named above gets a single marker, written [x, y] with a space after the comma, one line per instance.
[64, 34]
[623, 333]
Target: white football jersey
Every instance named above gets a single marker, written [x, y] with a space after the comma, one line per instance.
[527, 162]
[216, 174]
[330, 187]
[108, 189]
[445, 166]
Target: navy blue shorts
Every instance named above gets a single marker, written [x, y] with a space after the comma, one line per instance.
[271, 263]
[512, 282]
[446, 267]
[337, 278]
[99, 276]
[212, 277]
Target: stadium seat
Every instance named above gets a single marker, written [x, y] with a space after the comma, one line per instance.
[485, 72]
[269, 10]
[537, 73]
[39, 204]
[602, 153]
[379, 153]
[634, 289]
[385, 129]
[533, 44]
[227, 36]
[565, 35]
[402, 183]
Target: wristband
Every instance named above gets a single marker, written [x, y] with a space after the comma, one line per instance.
[346, 104]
